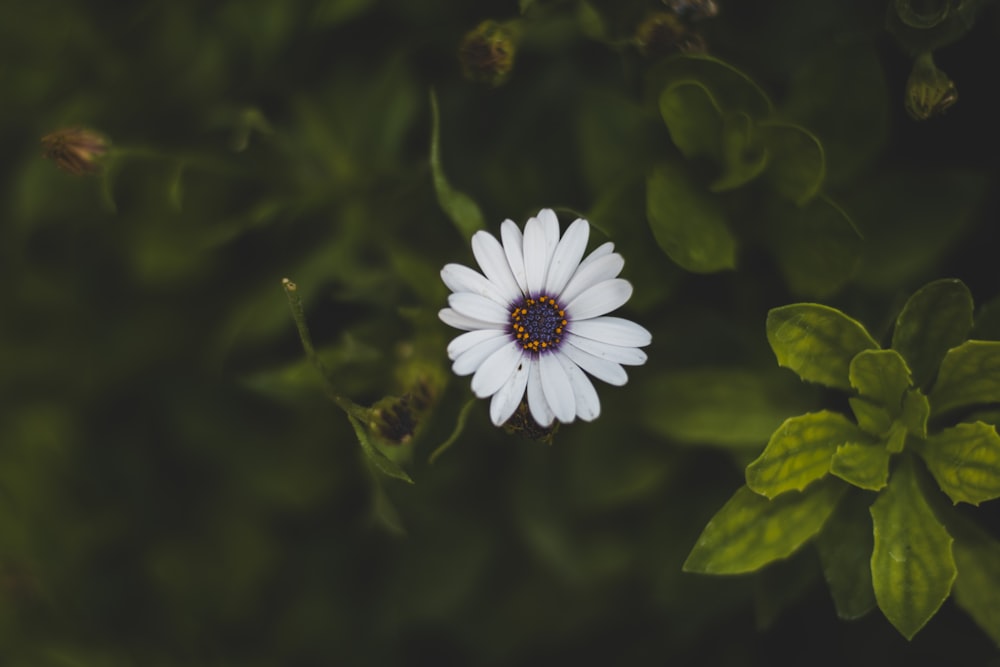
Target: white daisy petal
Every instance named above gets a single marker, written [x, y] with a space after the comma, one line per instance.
[550, 225]
[469, 361]
[557, 388]
[602, 369]
[630, 356]
[590, 273]
[496, 369]
[460, 278]
[599, 299]
[567, 256]
[602, 250]
[492, 260]
[588, 405]
[537, 405]
[613, 330]
[513, 247]
[464, 322]
[479, 308]
[509, 396]
[468, 340]
[536, 256]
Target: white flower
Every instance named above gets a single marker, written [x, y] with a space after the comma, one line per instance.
[536, 320]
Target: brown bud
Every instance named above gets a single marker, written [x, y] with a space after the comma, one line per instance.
[77, 150]
[486, 53]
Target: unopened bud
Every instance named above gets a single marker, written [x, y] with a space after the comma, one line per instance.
[486, 53]
[77, 150]
[523, 425]
[929, 91]
[693, 9]
[665, 33]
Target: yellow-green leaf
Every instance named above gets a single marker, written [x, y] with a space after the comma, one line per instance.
[872, 418]
[916, 412]
[977, 555]
[912, 563]
[743, 157]
[845, 552]
[866, 466]
[935, 319]
[969, 375]
[751, 531]
[382, 463]
[797, 164]
[965, 461]
[799, 452]
[817, 342]
[882, 376]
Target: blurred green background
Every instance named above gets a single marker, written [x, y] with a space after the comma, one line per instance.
[175, 488]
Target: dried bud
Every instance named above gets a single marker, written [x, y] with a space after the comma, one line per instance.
[523, 425]
[396, 419]
[77, 150]
[693, 10]
[929, 91]
[486, 53]
[664, 33]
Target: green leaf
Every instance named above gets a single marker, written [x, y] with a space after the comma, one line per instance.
[382, 463]
[965, 461]
[872, 418]
[916, 412]
[721, 407]
[882, 376]
[977, 555]
[817, 342]
[732, 89]
[896, 439]
[866, 466]
[693, 119]
[912, 564]
[817, 245]
[969, 375]
[751, 531]
[797, 164]
[799, 452]
[458, 206]
[935, 319]
[845, 552]
[743, 158]
[687, 222]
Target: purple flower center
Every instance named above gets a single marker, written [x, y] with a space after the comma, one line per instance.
[538, 324]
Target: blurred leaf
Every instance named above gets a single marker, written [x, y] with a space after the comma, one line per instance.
[721, 407]
[797, 164]
[731, 89]
[987, 326]
[935, 319]
[912, 564]
[382, 463]
[921, 26]
[687, 222]
[839, 92]
[799, 452]
[329, 13]
[743, 156]
[459, 207]
[751, 531]
[384, 511]
[969, 375]
[613, 137]
[817, 342]
[845, 551]
[693, 119]
[866, 466]
[817, 245]
[965, 461]
[977, 555]
[882, 376]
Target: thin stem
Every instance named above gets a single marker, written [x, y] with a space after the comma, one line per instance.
[295, 303]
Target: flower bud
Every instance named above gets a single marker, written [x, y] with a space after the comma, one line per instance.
[77, 150]
[693, 9]
[486, 53]
[929, 91]
[664, 33]
[523, 425]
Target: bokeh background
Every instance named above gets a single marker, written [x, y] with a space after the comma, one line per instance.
[177, 489]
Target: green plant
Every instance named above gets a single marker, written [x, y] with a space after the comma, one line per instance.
[918, 435]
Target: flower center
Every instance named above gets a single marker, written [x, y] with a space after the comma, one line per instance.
[538, 324]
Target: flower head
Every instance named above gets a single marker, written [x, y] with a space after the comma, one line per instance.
[536, 320]
[77, 150]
